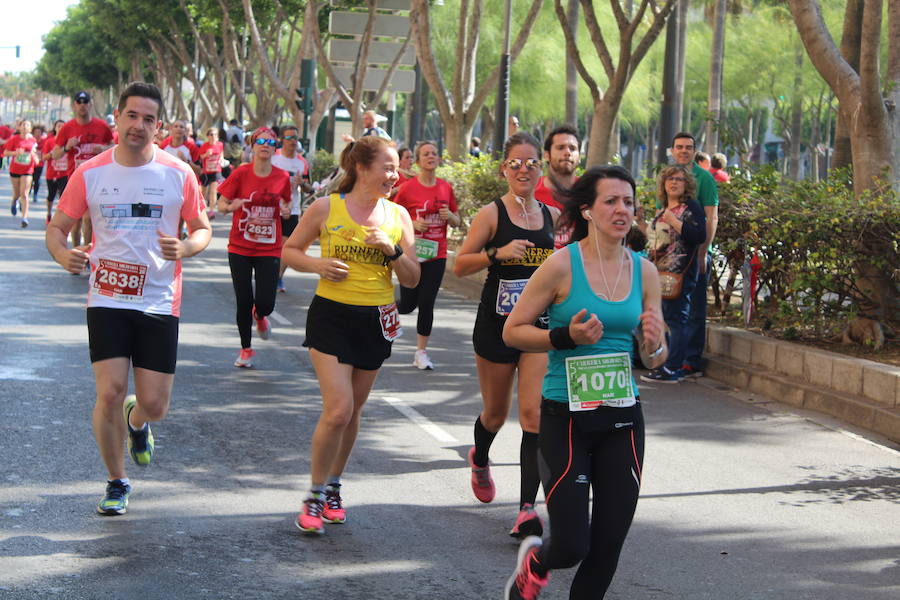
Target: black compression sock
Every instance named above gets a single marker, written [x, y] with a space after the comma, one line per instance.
[528, 466]
[483, 441]
[536, 567]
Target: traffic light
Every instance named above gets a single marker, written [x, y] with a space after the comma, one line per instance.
[304, 99]
[300, 101]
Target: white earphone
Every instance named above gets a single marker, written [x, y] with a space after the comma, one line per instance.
[586, 214]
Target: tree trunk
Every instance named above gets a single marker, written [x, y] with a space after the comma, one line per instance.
[871, 125]
[602, 128]
[717, 60]
[796, 113]
[682, 11]
[571, 74]
[456, 113]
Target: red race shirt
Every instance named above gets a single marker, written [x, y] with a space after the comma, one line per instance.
[256, 226]
[22, 164]
[5, 133]
[424, 203]
[51, 171]
[211, 163]
[95, 133]
[544, 194]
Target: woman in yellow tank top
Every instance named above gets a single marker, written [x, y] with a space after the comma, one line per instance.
[352, 320]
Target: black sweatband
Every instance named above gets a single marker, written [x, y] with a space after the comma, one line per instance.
[561, 340]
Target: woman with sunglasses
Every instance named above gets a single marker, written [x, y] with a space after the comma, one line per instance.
[352, 321]
[211, 166]
[597, 293]
[432, 206]
[24, 152]
[510, 238]
[258, 195]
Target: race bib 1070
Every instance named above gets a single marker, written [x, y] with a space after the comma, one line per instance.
[599, 380]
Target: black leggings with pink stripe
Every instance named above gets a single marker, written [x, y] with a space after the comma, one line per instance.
[603, 450]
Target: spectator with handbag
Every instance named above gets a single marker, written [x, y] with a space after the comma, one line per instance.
[674, 235]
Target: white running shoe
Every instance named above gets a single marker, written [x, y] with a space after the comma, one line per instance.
[422, 362]
[245, 358]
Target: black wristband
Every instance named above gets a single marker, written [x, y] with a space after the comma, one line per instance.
[561, 339]
[398, 252]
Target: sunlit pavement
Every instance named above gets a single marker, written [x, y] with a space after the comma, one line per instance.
[741, 500]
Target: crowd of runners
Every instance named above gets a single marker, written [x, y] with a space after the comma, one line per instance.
[579, 290]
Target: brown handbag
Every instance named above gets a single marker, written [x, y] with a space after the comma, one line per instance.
[670, 283]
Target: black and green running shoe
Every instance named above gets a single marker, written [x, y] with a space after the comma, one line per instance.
[116, 500]
[140, 442]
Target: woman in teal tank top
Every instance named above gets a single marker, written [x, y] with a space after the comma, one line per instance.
[597, 293]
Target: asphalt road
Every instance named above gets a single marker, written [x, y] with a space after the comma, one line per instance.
[743, 498]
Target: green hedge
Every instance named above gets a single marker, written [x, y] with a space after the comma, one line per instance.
[812, 238]
[476, 182]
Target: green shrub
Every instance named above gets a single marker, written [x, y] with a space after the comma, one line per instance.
[811, 238]
[323, 163]
[476, 182]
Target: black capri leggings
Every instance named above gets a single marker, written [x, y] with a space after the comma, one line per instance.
[423, 295]
[54, 187]
[244, 269]
[605, 450]
[36, 182]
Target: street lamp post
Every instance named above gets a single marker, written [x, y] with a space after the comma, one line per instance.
[501, 126]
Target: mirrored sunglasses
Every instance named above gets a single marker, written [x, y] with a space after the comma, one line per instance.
[516, 163]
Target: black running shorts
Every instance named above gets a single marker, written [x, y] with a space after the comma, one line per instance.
[487, 337]
[349, 332]
[208, 178]
[150, 341]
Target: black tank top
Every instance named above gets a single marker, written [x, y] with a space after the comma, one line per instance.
[506, 279]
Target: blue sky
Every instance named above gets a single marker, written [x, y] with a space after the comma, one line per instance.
[26, 22]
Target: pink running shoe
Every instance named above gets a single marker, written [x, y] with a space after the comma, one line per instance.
[310, 518]
[528, 523]
[482, 483]
[334, 512]
[245, 358]
[263, 328]
[524, 584]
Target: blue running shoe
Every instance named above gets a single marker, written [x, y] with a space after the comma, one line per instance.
[116, 500]
[140, 443]
[14, 207]
[661, 375]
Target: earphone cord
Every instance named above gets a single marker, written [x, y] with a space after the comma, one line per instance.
[611, 294]
[521, 201]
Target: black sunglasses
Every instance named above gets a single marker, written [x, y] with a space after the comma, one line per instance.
[290, 137]
[82, 101]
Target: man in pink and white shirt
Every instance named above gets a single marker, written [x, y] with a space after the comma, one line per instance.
[135, 196]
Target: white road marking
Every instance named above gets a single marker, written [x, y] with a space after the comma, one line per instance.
[279, 319]
[420, 420]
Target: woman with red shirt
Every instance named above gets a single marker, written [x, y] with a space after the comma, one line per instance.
[431, 205]
[211, 165]
[56, 169]
[23, 148]
[40, 134]
[258, 194]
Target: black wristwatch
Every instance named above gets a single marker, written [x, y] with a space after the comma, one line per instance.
[398, 252]
[492, 255]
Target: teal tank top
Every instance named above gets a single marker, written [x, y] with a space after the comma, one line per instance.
[619, 320]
